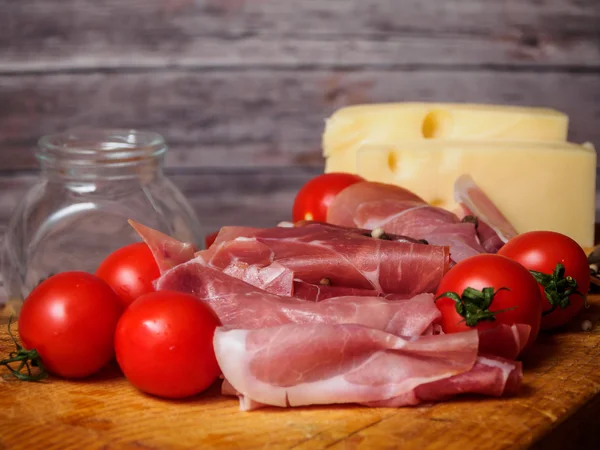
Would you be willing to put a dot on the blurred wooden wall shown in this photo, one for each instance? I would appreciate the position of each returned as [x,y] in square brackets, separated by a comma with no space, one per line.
[240,88]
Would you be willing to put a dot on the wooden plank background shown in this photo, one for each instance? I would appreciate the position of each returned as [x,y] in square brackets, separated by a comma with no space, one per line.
[240,88]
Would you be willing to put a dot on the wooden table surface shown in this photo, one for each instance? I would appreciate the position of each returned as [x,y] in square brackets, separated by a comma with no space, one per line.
[557,407]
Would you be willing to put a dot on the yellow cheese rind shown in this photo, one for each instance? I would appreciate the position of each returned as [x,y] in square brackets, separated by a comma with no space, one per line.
[388,123]
[537,186]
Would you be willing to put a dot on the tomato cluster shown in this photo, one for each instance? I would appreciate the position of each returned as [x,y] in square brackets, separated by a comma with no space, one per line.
[74,323]
[539,278]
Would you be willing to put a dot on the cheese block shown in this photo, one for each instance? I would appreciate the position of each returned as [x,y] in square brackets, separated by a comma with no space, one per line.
[536,185]
[351,127]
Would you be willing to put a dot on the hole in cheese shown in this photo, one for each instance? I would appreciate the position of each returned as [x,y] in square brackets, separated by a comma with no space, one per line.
[436,124]
[392,161]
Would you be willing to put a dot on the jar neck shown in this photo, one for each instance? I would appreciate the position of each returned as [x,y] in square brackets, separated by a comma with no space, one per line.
[142,170]
[96,155]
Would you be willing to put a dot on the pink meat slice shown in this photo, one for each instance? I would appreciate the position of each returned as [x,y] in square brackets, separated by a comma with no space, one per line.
[167,251]
[491,376]
[253,262]
[392,208]
[337,363]
[347,259]
[349,199]
[319,292]
[230,233]
[506,341]
[240,304]
[467,193]
[487,236]
[353,230]
[461,238]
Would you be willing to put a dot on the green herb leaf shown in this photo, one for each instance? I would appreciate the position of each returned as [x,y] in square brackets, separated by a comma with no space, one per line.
[26,360]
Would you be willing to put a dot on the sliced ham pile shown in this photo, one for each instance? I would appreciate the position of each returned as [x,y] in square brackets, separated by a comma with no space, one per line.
[275,258]
[323,313]
[294,365]
[242,305]
[479,228]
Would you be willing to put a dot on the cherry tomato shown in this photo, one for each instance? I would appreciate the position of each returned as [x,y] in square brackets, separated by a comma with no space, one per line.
[70,319]
[164,344]
[542,251]
[316,195]
[130,271]
[516,298]
[209,239]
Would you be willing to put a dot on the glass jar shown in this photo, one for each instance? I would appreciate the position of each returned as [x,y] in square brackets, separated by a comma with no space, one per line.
[91,182]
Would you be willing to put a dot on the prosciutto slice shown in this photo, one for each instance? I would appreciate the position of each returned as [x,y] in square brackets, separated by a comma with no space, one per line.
[272,258]
[319,292]
[476,202]
[394,209]
[355,364]
[488,238]
[343,209]
[506,341]
[242,305]
[167,251]
[230,233]
[491,375]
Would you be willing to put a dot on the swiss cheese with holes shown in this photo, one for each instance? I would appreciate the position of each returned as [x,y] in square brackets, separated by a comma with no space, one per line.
[519,156]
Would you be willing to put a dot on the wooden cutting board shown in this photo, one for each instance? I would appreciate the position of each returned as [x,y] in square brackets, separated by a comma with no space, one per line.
[557,407]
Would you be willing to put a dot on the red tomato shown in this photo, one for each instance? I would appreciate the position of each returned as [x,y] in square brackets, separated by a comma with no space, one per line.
[130,271]
[209,239]
[518,302]
[314,197]
[70,319]
[164,344]
[541,251]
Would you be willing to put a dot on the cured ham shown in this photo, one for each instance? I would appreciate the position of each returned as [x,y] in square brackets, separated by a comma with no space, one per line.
[319,292]
[242,305]
[394,209]
[488,238]
[343,209]
[272,258]
[294,365]
[507,341]
[167,251]
[476,202]
[231,233]
[492,376]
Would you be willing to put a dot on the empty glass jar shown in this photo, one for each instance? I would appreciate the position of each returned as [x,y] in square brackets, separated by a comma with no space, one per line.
[91,182]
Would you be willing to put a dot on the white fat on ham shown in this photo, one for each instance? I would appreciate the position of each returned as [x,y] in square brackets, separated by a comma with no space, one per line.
[295,365]
[246,403]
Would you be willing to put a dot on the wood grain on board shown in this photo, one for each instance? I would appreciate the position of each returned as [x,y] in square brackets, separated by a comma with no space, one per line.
[557,408]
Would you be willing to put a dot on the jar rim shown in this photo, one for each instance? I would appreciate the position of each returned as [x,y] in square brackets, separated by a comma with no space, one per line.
[101,145]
